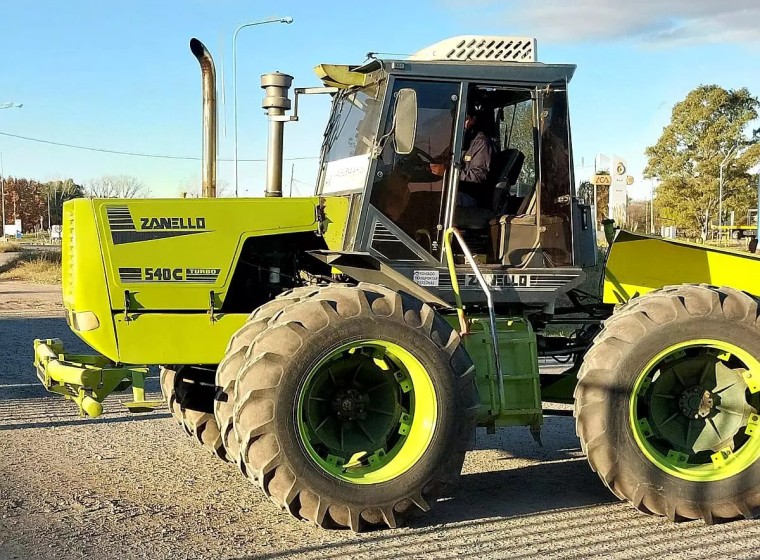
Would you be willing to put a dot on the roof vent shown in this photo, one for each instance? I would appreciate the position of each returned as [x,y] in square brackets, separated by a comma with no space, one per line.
[483,48]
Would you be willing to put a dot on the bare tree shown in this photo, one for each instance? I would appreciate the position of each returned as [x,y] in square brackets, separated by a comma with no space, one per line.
[117,186]
[191,188]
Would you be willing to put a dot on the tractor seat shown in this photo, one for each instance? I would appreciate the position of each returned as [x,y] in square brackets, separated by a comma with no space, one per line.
[505,170]
[506,166]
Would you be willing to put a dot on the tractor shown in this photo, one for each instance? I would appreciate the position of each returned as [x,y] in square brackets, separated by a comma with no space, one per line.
[341,349]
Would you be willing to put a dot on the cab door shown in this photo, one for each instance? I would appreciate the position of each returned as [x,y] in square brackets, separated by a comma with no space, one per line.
[556,189]
[407,211]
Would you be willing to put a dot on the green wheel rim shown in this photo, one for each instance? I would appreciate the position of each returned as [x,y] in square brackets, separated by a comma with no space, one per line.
[367,412]
[694,410]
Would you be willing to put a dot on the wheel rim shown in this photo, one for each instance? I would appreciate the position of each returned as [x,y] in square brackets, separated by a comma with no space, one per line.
[367,412]
[694,410]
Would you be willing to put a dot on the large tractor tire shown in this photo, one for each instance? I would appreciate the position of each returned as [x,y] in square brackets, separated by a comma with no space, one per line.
[234,359]
[190,407]
[667,404]
[355,407]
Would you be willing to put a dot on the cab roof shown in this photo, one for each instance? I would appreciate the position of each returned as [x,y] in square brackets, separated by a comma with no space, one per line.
[467,57]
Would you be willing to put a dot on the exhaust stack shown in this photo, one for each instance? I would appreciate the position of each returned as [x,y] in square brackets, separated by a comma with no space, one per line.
[276,102]
[208,76]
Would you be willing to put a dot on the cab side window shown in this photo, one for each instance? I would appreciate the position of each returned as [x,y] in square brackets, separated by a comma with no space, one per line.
[409,188]
[556,181]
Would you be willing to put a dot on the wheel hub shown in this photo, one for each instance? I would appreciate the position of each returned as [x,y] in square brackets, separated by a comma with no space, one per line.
[354,406]
[366,411]
[694,405]
[348,405]
[696,402]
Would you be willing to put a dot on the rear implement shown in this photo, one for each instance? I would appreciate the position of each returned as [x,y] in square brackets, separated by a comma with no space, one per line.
[638,264]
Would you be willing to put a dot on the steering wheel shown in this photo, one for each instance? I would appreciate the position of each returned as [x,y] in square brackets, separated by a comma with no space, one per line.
[423,155]
[416,165]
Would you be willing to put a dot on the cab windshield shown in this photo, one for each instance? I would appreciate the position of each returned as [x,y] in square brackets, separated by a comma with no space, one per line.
[349,138]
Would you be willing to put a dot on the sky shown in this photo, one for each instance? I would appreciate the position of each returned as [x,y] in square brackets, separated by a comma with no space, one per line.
[120,76]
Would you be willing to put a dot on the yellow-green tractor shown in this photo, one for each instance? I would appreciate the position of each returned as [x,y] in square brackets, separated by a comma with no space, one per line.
[341,349]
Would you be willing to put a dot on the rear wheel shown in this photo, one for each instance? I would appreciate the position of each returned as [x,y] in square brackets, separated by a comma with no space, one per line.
[355,406]
[667,404]
[190,403]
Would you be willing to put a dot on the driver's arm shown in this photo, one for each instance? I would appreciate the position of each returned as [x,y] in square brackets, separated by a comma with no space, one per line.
[441,162]
[478,165]
[438,169]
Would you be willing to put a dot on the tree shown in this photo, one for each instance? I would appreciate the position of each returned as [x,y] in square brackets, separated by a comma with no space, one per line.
[59,192]
[704,128]
[25,199]
[586,192]
[191,188]
[638,216]
[117,186]
[517,129]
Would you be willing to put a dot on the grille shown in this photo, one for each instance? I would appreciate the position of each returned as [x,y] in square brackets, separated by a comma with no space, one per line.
[466,48]
[68,256]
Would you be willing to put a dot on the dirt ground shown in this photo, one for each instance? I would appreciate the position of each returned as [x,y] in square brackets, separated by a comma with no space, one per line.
[133,486]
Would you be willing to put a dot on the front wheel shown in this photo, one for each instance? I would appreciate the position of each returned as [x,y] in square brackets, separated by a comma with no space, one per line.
[355,406]
[234,359]
[667,404]
[190,403]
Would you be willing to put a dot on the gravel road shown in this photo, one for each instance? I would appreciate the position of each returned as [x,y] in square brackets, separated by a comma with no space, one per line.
[133,486]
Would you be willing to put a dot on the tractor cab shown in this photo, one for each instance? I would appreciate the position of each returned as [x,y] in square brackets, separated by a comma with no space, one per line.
[471,133]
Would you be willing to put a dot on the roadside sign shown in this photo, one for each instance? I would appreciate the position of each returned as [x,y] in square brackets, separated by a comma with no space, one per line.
[601,180]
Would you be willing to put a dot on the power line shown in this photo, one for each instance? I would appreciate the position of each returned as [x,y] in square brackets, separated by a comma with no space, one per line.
[134,154]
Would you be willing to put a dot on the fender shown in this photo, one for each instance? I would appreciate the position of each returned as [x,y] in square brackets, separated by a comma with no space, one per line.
[364,267]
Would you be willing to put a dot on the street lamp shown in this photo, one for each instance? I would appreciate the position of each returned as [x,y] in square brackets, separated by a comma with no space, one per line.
[2,193]
[720,186]
[7,105]
[50,218]
[234,80]
[753,243]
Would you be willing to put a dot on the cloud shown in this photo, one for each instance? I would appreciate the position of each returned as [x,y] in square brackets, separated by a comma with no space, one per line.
[656,22]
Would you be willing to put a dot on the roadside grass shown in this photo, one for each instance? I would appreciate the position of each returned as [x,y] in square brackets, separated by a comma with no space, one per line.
[38,268]
[10,247]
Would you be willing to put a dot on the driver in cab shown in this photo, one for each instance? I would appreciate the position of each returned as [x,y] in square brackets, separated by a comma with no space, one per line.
[479,151]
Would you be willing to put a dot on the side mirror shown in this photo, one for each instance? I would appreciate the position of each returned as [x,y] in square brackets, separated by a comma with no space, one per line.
[405,121]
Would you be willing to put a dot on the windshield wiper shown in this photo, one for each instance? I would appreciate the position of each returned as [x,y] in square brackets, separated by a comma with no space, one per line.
[329,136]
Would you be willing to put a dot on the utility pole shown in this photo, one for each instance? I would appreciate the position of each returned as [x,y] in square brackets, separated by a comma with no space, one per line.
[2,192]
[646,215]
[292,171]
[8,105]
[753,243]
[720,187]
[651,204]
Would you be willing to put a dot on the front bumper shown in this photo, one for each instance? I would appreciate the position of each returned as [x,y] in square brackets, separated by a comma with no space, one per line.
[88,380]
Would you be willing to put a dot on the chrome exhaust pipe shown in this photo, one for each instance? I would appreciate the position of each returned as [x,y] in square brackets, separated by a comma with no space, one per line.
[276,102]
[208,76]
